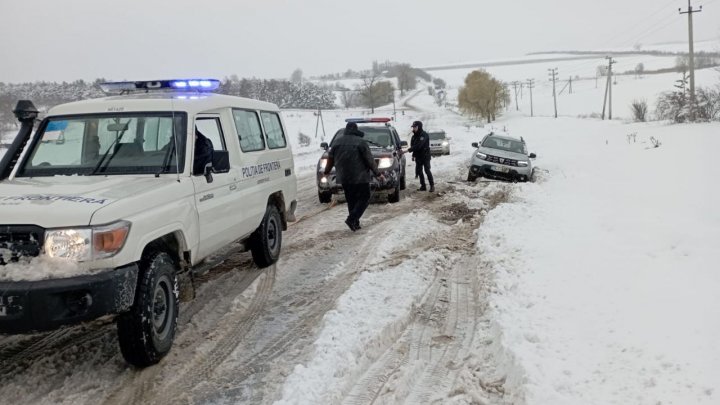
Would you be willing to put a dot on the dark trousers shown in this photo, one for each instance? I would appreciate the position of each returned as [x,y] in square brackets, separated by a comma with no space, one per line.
[421,164]
[358,199]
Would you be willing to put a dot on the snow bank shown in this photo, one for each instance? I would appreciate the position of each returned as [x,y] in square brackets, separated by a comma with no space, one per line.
[606,282]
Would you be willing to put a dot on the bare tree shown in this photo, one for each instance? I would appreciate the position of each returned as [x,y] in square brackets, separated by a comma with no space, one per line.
[639,69]
[297,76]
[407,80]
[369,89]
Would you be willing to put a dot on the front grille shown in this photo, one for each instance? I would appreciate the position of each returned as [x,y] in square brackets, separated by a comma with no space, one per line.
[502,161]
[18,241]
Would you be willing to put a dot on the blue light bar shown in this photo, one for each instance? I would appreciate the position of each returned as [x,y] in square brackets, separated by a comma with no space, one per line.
[368,120]
[179,84]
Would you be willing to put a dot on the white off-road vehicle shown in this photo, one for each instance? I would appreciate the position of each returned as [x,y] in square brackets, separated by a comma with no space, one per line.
[101,212]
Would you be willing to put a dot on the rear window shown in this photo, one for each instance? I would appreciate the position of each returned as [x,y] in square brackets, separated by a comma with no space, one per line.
[436,135]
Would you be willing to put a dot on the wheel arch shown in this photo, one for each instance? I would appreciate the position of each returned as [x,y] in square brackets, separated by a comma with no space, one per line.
[277,199]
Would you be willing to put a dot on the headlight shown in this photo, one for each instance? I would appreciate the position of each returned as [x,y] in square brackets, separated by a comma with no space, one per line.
[323,179]
[385,163]
[445,143]
[481,155]
[522,163]
[83,244]
[323,163]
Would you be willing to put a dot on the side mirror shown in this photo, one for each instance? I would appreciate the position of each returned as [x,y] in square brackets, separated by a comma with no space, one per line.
[208,173]
[324,145]
[475,145]
[532,156]
[221,161]
[403,144]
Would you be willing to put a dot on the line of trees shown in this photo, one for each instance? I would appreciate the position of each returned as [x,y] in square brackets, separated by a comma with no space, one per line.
[284,93]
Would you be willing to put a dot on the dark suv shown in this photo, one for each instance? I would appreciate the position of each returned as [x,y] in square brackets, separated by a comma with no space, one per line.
[386,147]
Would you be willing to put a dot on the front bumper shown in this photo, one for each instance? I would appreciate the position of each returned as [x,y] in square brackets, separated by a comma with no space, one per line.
[392,181]
[501,172]
[28,306]
[439,150]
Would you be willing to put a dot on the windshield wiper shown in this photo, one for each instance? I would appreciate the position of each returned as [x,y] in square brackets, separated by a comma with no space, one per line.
[102,159]
[376,144]
[166,160]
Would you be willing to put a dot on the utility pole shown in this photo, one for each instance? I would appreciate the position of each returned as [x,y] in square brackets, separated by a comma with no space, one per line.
[319,121]
[554,74]
[608,88]
[691,57]
[530,85]
[515,86]
[570,84]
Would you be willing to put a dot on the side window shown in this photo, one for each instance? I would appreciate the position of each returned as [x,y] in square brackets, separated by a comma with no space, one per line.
[396,139]
[210,127]
[249,130]
[273,130]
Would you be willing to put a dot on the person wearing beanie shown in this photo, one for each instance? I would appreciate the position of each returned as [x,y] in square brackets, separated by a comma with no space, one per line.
[353,162]
[420,148]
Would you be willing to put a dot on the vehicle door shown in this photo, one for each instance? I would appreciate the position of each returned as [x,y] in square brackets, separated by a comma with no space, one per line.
[266,164]
[399,149]
[215,199]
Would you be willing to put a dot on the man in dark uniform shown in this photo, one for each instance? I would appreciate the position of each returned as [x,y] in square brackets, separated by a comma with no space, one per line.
[420,148]
[353,161]
[203,153]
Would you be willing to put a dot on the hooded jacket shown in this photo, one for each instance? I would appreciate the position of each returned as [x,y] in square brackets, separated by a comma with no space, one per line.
[351,156]
[420,145]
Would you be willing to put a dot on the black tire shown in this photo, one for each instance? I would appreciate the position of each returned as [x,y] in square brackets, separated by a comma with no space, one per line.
[471,177]
[402,182]
[266,241]
[147,331]
[395,195]
[324,197]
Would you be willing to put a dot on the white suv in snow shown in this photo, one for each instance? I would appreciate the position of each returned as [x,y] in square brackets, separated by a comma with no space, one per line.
[101,214]
[501,156]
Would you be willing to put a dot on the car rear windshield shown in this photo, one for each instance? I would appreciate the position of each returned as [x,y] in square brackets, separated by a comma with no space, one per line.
[376,137]
[436,135]
[138,143]
[508,145]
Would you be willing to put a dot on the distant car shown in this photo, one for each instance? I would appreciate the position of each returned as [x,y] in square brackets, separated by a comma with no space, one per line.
[439,143]
[386,148]
[501,156]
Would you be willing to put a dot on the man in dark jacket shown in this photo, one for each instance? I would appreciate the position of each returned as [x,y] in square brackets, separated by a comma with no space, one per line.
[420,148]
[203,153]
[353,162]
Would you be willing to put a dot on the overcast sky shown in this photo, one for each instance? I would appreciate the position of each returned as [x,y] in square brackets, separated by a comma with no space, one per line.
[150,39]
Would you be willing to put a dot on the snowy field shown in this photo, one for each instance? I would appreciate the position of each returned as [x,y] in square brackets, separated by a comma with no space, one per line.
[593,285]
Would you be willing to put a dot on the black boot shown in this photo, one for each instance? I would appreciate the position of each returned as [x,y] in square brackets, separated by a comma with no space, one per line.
[422,188]
[351,225]
[432,188]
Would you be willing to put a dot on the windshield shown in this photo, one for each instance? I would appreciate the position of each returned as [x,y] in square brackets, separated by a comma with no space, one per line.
[436,135]
[508,145]
[376,137]
[106,144]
